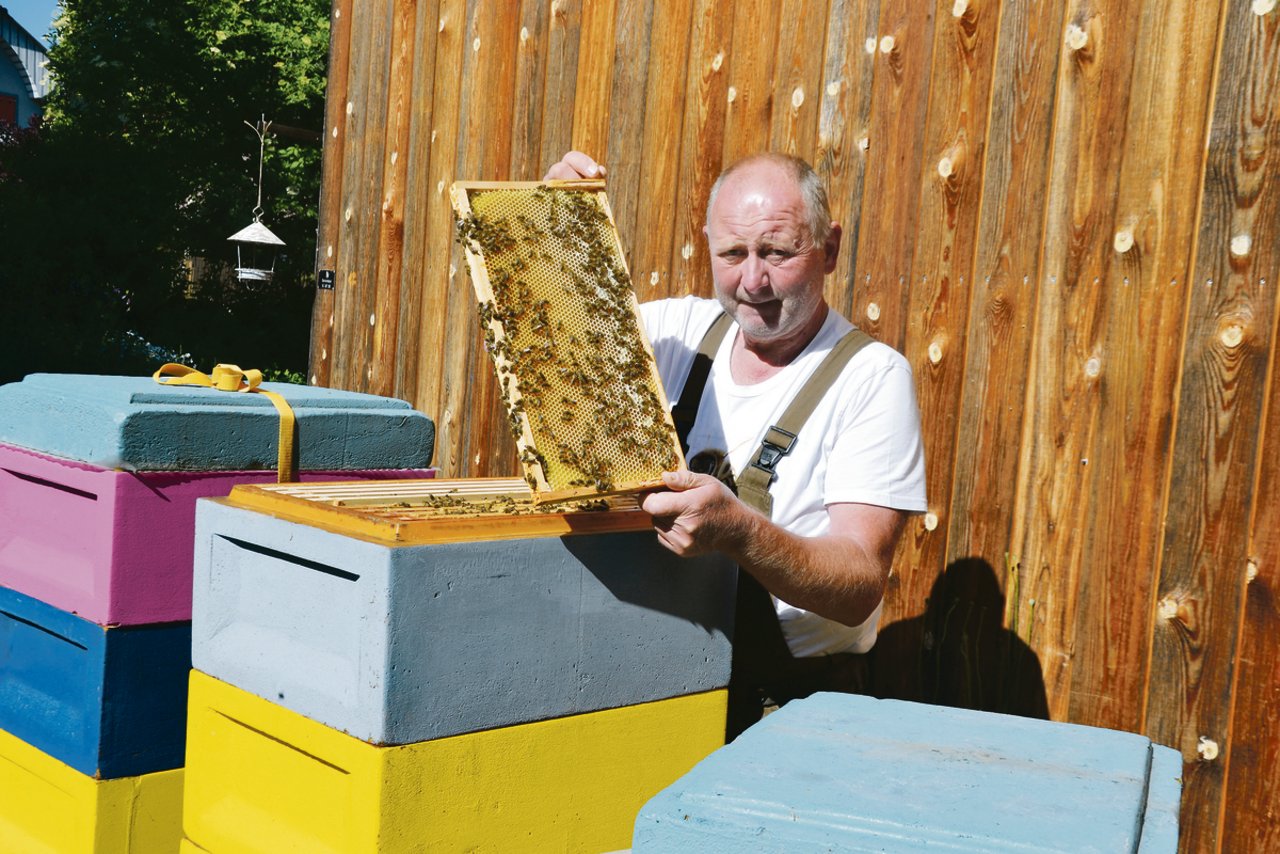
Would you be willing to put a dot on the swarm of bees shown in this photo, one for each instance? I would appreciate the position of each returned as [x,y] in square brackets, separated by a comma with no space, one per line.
[558,315]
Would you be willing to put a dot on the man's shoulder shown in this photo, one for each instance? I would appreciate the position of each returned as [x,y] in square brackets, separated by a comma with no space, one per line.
[686,305]
[875,355]
[679,317]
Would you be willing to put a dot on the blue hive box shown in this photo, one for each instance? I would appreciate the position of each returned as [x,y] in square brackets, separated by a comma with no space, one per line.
[109,702]
[136,424]
[838,772]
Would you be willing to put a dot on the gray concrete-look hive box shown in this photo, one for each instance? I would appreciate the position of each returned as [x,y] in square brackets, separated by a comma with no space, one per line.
[396,644]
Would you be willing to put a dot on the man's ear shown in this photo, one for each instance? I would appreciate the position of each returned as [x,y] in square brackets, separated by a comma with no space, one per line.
[831,247]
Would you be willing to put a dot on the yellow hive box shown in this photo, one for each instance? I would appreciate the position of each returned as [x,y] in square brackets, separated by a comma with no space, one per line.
[261,778]
[46,806]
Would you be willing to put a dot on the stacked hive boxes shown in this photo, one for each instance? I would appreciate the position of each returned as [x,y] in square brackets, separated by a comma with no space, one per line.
[98,482]
[496,684]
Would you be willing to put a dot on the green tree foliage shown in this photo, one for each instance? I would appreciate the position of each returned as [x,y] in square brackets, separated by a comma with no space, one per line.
[143,160]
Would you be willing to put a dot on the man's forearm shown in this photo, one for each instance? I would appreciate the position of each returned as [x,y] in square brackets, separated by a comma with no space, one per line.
[833,576]
[840,575]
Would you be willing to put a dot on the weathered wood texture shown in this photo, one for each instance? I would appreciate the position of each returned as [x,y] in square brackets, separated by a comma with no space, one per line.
[1064,212]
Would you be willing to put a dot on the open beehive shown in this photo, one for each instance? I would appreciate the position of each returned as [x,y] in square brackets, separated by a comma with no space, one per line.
[411,512]
[560,321]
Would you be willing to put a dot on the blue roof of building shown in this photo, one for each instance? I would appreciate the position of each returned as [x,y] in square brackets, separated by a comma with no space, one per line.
[26,53]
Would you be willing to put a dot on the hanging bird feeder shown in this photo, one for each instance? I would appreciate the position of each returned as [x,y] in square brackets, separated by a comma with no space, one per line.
[256,246]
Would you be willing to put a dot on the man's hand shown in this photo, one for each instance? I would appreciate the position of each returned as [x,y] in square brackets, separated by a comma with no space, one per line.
[574,166]
[698,514]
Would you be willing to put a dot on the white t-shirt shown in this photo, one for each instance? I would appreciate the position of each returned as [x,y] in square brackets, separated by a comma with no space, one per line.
[861,444]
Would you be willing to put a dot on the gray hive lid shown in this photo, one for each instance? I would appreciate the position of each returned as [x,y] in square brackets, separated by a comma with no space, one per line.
[134,423]
[839,772]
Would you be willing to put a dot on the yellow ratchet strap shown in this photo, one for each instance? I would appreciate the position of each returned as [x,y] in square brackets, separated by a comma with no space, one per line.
[232,378]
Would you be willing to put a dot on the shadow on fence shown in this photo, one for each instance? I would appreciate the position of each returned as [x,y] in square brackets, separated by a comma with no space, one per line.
[958,652]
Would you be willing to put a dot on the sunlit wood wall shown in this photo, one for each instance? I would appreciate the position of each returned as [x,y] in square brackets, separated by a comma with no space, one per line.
[1063,211]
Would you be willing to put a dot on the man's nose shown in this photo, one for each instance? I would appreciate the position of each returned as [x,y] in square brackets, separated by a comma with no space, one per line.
[755,274]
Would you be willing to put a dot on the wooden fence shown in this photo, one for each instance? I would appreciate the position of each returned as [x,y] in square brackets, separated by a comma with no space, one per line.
[1064,212]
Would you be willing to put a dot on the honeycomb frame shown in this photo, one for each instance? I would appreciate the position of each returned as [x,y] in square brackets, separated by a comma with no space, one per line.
[435,510]
[562,327]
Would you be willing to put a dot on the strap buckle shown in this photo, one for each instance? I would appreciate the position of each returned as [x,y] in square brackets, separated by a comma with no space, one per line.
[775,445]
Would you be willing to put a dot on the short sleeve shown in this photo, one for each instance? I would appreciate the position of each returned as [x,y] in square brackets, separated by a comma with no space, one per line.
[877,452]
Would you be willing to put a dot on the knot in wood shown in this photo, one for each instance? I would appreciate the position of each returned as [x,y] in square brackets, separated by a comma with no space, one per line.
[1076,37]
[1231,335]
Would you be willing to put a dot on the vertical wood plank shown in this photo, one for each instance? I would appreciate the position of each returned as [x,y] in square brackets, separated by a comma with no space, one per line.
[530,90]
[964,53]
[560,94]
[705,108]
[1252,787]
[840,158]
[595,79]
[385,318]
[1002,307]
[797,79]
[661,149]
[1137,369]
[899,104]
[627,118]
[420,242]
[440,263]
[1230,322]
[330,206]
[752,57]
[1059,469]
[484,153]
[361,188]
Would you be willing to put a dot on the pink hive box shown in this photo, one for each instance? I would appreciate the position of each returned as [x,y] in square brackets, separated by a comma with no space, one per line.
[114,547]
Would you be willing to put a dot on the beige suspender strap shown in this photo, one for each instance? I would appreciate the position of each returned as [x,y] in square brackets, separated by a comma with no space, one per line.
[756,478]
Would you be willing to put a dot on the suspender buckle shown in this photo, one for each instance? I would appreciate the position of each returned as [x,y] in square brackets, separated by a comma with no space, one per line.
[776,445]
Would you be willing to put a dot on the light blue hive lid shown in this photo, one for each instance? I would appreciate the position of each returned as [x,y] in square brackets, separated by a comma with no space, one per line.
[838,772]
[136,424]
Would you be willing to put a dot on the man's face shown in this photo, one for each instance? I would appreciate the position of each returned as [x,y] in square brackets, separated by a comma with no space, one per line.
[767,269]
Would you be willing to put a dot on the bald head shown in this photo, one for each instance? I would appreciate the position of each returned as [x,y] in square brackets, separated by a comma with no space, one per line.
[807,183]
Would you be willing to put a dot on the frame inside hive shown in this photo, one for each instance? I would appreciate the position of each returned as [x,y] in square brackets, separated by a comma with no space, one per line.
[562,327]
[438,511]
